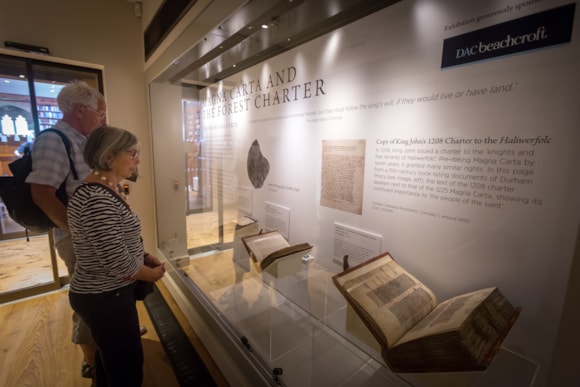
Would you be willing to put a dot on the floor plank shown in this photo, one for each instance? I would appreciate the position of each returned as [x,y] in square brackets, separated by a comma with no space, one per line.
[25,264]
[36,350]
[35,347]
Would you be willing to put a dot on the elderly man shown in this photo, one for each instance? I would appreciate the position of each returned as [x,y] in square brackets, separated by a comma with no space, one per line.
[84,110]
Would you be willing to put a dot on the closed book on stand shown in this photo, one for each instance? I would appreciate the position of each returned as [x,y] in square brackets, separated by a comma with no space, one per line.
[269,247]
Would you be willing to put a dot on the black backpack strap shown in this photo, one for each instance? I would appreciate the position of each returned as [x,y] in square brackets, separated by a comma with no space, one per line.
[67,147]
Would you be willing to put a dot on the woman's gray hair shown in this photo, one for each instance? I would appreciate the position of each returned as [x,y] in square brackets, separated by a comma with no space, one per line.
[78,92]
[106,143]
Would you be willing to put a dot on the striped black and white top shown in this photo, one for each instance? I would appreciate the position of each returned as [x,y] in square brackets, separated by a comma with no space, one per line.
[106,236]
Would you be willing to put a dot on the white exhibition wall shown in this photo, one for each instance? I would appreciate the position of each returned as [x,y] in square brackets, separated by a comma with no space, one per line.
[468,174]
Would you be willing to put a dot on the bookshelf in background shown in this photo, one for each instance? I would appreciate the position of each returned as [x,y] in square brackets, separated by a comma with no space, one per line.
[48,113]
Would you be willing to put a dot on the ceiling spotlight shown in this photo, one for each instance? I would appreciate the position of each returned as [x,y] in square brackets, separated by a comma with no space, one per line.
[265,26]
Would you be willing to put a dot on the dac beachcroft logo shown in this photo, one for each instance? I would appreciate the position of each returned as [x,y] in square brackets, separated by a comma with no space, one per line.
[509,41]
[540,30]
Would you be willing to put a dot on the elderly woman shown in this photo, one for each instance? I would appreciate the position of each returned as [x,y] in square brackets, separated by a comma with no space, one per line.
[106,236]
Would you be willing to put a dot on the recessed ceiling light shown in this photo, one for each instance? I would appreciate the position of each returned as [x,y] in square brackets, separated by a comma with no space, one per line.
[265,26]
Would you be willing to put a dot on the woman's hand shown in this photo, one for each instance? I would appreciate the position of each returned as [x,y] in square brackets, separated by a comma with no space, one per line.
[158,268]
[157,272]
[151,271]
[151,260]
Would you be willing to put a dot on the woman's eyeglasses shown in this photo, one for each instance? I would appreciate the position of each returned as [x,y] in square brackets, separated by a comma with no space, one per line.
[134,153]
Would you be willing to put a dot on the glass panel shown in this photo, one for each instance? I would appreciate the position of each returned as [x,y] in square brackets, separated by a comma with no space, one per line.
[48,112]
[288,319]
[194,161]
[186,186]
[15,113]
[23,264]
[28,263]
[48,81]
[290,315]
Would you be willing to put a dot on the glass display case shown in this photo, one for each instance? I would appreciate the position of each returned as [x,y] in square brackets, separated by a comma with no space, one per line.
[361,141]
[298,329]
[284,325]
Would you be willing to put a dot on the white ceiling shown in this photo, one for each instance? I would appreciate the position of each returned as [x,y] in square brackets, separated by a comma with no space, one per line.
[20,87]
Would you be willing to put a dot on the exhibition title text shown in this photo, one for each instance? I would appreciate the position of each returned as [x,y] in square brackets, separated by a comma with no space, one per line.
[275,89]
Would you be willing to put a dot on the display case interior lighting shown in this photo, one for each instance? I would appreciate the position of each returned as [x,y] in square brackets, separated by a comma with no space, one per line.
[424,15]
[331,48]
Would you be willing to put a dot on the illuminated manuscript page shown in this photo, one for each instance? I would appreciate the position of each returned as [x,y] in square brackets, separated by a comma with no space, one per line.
[448,315]
[393,299]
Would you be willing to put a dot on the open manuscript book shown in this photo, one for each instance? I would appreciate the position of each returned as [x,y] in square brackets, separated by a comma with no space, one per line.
[267,247]
[416,334]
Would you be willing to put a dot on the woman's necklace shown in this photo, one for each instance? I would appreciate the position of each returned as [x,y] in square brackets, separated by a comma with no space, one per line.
[107,182]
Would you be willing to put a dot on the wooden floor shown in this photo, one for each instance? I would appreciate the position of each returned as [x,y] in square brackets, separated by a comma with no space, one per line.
[25,264]
[36,351]
[35,346]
